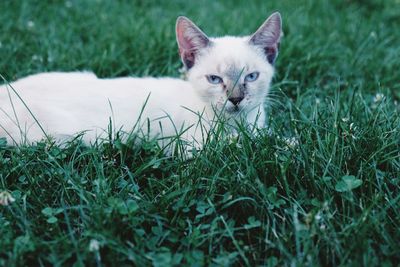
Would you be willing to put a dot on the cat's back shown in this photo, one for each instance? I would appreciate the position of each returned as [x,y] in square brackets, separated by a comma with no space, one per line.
[53,78]
[48,82]
[70,85]
[67,103]
[60,80]
[146,83]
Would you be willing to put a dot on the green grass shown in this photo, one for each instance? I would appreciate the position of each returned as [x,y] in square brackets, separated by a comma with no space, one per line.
[332,199]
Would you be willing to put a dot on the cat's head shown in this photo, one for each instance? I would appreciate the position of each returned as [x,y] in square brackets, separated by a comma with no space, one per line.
[230,72]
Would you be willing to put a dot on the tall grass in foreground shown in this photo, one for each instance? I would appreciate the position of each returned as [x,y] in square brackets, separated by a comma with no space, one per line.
[320,188]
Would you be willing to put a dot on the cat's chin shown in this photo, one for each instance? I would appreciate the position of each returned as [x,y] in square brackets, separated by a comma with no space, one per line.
[233,109]
[227,109]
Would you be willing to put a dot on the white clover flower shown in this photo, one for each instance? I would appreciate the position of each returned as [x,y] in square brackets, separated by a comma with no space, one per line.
[94,245]
[345,119]
[30,24]
[233,138]
[292,142]
[378,97]
[37,58]
[6,198]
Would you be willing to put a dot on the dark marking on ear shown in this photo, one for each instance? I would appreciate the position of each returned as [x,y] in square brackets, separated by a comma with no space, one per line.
[271,54]
[188,59]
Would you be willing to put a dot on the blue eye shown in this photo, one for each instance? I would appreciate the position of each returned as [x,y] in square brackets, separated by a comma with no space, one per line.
[251,77]
[214,79]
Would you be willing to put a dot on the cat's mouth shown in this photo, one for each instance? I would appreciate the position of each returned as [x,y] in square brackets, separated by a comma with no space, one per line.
[233,109]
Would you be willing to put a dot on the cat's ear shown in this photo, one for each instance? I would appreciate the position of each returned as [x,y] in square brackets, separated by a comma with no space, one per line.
[190,40]
[268,36]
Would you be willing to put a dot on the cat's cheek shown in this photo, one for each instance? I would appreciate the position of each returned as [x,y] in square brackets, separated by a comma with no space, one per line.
[260,88]
[219,102]
[265,81]
[215,91]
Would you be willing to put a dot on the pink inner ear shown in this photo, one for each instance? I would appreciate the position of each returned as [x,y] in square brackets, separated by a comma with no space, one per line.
[190,40]
[183,41]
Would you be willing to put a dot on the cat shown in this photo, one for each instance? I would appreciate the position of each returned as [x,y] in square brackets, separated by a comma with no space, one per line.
[227,76]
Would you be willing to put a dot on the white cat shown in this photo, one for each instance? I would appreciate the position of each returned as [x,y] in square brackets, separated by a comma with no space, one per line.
[229,76]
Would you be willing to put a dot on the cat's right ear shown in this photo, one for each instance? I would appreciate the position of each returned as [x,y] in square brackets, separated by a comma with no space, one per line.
[190,40]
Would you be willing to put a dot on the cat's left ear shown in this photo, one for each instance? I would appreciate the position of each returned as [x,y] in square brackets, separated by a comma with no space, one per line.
[190,40]
[268,36]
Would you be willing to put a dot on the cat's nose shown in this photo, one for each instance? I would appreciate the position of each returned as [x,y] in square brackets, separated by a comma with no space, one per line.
[235,100]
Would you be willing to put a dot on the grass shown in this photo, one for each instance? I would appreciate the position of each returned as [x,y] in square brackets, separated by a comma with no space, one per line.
[321,190]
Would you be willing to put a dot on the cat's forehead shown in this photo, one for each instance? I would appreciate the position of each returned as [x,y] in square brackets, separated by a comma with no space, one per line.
[233,55]
[229,46]
[233,70]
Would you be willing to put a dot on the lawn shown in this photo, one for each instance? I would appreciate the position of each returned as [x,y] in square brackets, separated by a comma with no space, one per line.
[321,188]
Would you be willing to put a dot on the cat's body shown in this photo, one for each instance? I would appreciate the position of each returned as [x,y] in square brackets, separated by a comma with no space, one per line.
[87,103]
[229,76]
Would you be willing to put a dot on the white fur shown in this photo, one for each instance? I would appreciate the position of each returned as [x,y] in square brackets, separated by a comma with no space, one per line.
[66,104]
[69,103]
[227,53]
